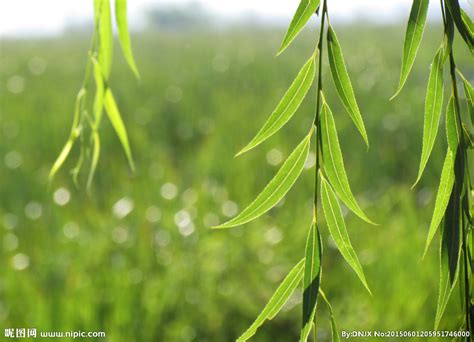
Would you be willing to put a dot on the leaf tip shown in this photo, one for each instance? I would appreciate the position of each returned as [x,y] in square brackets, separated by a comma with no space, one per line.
[283,46]
[394,95]
[424,253]
[280,51]
[420,173]
[242,151]
[416,182]
[427,246]
[50,183]
[137,74]
[222,226]
[132,166]
[399,89]
[51,176]
[366,219]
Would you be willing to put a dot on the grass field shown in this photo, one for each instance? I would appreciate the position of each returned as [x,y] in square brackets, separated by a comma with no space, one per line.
[136,257]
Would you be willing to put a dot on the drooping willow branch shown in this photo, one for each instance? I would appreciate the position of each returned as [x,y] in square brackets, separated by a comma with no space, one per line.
[453,204]
[86,121]
[329,173]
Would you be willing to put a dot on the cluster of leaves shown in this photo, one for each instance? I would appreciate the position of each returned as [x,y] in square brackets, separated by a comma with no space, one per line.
[330,172]
[453,205]
[88,114]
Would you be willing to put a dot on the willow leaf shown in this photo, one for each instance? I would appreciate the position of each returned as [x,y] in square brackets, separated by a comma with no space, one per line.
[287,106]
[466,204]
[80,161]
[276,302]
[99,94]
[276,189]
[442,197]
[124,35]
[116,120]
[448,38]
[452,125]
[468,24]
[105,37]
[72,136]
[433,104]
[413,35]
[311,279]
[305,10]
[337,229]
[98,110]
[469,92]
[95,157]
[334,330]
[334,163]
[343,82]
[463,29]
[449,255]
[97,7]
[61,158]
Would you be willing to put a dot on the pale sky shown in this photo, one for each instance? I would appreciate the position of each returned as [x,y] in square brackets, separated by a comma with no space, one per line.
[50,16]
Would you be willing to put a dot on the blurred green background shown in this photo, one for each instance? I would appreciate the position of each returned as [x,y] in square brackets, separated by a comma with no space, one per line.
[136,257]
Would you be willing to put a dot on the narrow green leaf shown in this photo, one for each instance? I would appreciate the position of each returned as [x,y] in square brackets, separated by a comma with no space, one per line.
[413,35]
[450,252]
[77,168]
[99,94]
[277,188]
[468,137]
[98,110]
[466,204]
[97,7]
[311,279]
[442,197]
[337,229]
[334,330]
[61,158]
[72,136]
[116,120]
[463,29]
[333,162]
[468,24]
[124,36]
[276,302]
[304,11]
[469,93]
[452,125]
[288,105]
[105,37]
[95,158]
[448,38]
[343,82]
[433,104]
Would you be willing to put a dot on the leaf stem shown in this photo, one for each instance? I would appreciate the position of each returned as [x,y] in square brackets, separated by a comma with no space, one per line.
[460,182]
[317,121]
[317,124]
[90,53]
[462,151]
[464,164]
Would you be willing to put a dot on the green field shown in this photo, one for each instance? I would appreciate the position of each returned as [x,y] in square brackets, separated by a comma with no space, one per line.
[136,258]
